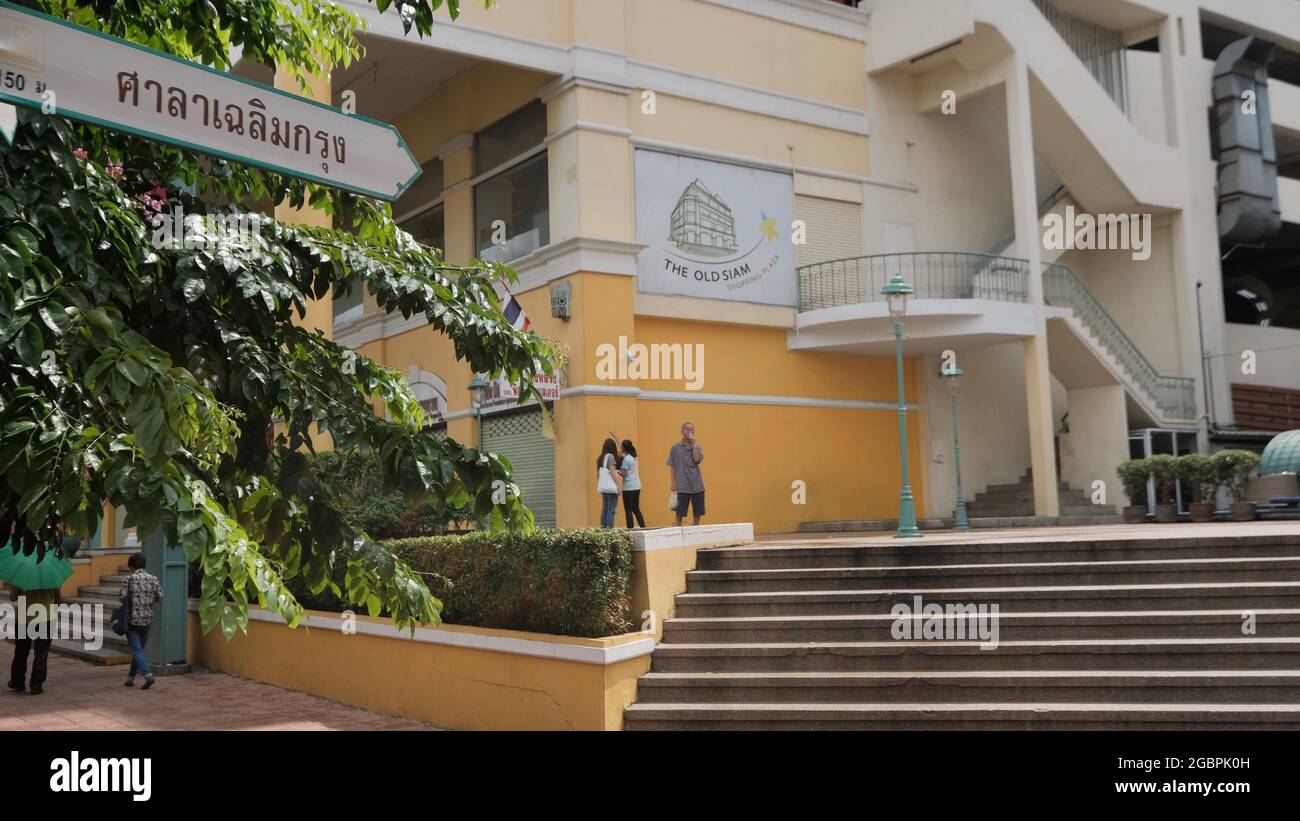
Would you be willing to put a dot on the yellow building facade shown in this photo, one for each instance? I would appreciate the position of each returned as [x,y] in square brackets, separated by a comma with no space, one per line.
[789,436]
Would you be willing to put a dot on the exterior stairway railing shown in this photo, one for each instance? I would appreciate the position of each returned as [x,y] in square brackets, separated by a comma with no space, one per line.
[1101,50]
[1174,396]
[934,275]
[959,275]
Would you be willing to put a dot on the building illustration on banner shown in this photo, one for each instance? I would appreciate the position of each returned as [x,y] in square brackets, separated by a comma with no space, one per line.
[713,229]
[702,223]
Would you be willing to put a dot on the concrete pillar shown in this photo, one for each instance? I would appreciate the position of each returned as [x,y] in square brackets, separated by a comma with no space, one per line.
[457,155]
[320,312]
[1097,441]
[1194,230]
[1038,378]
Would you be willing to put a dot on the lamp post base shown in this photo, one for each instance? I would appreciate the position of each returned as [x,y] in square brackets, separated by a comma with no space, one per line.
[960,524]
[907,528]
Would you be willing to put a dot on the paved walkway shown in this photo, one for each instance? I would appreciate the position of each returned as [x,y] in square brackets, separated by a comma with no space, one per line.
[83,696]
[1089,533]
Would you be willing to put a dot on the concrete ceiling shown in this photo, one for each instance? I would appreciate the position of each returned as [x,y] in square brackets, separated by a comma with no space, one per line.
[389,79]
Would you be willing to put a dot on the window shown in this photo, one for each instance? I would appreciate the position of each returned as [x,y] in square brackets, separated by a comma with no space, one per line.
[519,196]
[834,229]
[349,307]
[509,137]
[427,189]
[424,201]
[428,227]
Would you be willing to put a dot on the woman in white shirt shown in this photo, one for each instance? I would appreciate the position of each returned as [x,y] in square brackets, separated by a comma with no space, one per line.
[631,485]
[606,485]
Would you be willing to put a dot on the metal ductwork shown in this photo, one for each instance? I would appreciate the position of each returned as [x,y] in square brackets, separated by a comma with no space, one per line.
[1249,211]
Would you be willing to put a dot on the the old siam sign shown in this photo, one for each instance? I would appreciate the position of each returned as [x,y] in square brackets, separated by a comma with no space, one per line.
[90,76]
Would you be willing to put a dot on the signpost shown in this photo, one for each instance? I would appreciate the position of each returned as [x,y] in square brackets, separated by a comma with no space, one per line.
[82,74]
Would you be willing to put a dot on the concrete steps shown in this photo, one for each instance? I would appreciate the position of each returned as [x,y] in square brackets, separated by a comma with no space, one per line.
[1249,595]
[1049,716]
[1168,632]
[1011,626]
[966,687]
[1153,571]
[106,593]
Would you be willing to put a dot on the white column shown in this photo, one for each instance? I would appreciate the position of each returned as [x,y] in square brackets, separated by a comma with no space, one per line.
[1195,234]
[1038,377]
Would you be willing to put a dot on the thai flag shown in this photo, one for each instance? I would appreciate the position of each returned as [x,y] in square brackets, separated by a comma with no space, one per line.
[515,314]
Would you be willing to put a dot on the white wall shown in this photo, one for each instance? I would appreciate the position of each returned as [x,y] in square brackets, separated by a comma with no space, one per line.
[1277,355]
[1097,441]
[1146,95]
[1141,297]
[994,424]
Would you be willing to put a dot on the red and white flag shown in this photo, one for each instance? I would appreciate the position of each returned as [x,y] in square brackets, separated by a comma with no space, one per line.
[515,313]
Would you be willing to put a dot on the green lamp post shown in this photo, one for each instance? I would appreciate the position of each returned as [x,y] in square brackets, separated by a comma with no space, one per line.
[896,293]
[959,524]
[478,387]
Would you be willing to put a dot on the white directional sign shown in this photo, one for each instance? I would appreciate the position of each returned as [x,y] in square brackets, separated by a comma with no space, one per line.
[75,72]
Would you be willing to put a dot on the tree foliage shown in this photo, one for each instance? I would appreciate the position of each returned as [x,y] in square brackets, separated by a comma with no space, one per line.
[178,383]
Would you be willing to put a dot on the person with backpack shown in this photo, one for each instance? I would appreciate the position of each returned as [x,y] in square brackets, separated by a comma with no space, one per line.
[631,485]
[139,594]
[606,484]
[39,606]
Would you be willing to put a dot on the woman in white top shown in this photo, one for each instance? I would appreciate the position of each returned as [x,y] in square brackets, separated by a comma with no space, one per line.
[631,485]
[606,484]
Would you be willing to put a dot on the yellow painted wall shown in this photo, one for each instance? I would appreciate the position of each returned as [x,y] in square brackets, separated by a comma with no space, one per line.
[451,687]
[749,49]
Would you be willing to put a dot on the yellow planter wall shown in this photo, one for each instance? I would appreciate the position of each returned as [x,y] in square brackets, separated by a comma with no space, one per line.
[450,687]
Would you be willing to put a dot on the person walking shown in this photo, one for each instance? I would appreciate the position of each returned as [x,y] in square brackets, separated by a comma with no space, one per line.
[606,484]
[631,485]
[39,605]
[139,593]
[684,470]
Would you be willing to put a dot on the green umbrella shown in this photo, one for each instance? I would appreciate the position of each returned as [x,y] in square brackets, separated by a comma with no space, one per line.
[26,572]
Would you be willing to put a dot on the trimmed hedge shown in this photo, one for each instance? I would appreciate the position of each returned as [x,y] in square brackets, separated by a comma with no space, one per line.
[568,582]
[565,582]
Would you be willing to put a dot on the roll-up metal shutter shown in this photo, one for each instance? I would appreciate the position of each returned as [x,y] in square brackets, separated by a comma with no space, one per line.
[518,437]
[834,229]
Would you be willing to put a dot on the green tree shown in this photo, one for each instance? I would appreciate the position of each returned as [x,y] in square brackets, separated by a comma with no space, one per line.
[152,378]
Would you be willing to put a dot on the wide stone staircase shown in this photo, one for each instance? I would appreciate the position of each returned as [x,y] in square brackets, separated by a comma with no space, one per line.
[106,593]
[998,504]
[1168,633]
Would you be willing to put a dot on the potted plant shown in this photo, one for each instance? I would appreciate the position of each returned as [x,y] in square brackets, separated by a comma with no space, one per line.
[1133,474]
[1199,475]
[1164,469]
[1234,469]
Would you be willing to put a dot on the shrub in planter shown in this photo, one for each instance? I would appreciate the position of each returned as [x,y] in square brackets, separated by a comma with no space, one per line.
[1197,472]
[382,512]
[565,582]
[570,582]
[1164,469]
[1234,469]
[1133,474]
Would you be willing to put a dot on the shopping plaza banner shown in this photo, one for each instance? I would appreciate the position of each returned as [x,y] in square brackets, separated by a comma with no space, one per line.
[714,229]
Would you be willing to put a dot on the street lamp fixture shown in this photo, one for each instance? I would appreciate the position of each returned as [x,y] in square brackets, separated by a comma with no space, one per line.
[478,388]
[896,294]
[953,377]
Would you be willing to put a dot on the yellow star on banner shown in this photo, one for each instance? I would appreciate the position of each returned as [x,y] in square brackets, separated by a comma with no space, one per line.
[768,228]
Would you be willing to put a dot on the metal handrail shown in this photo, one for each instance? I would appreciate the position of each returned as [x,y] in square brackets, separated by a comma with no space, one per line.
[934,275]
[1009,237]
[1174,396]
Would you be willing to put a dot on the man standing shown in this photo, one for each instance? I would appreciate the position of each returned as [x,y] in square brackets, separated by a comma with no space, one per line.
[684,467]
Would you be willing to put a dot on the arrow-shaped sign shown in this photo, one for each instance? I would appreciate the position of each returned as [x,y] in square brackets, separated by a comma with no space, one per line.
[76,72]
[8,121]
